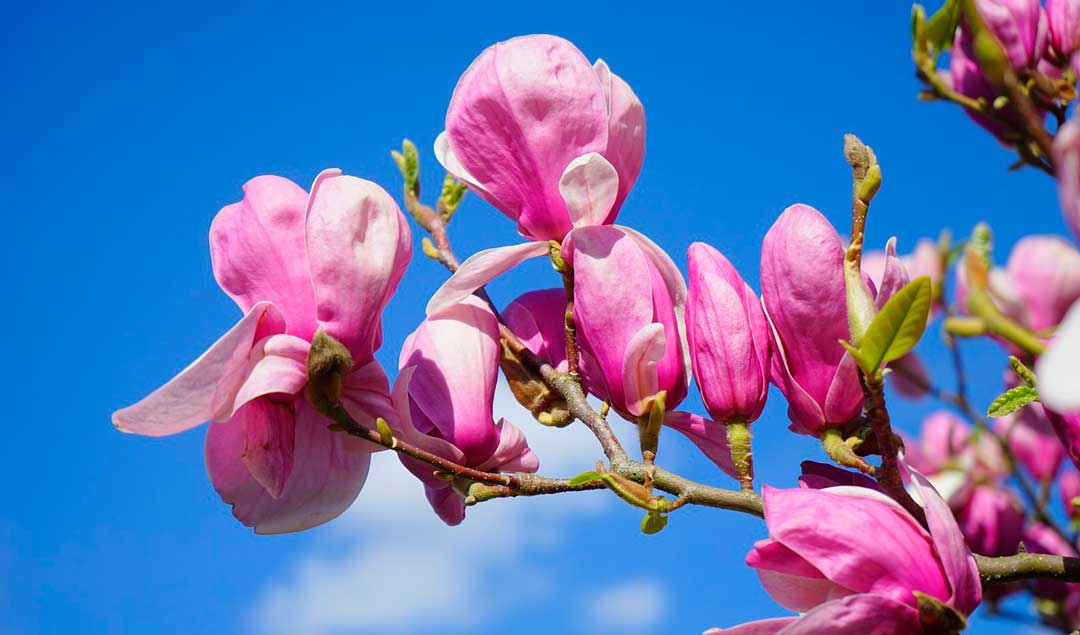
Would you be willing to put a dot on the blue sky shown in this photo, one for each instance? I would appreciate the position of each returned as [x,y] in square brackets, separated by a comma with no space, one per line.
[128,126]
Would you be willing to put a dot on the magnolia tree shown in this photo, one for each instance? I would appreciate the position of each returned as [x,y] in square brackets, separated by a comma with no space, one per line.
[899,535]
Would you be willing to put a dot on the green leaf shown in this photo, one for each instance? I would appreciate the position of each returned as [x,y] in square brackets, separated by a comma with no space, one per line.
[585,477]
[897,327]
[1025,374]
[653,523]
[941,27]
[1012,400]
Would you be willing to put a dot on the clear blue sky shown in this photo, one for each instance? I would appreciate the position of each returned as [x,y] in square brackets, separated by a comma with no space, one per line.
[127,127]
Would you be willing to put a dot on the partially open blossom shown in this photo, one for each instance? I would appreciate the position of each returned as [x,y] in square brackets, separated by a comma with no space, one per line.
[444,395]
[295,264]
[802,288]
[1045,272]
[1067,159]
[850,560]
[530,116]
[728,336]
[1063,23]
[1032,440]
[538,318]
[1020,26]
[992,520]
[626,314]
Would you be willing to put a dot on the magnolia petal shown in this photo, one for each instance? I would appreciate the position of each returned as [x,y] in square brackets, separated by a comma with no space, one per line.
[329,469]
[893,277]
[258,251]
[760,627]
[1058,368]
[862,614]
[952,550]
[640,381]
[589,186]
[513,453]
[479,269]
[188,399]
[359,245]
[268,444]
[626,131]
[709,436]
[278,366]
[446,158]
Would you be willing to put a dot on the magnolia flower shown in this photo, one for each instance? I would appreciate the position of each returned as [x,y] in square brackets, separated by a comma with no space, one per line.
[853,562]
[1063,22]
[1058,380]
[1045,274]
[530,119]
[444,395]
[295,264]
[1067,158]
[992,521]
[538,318]
[1020,27]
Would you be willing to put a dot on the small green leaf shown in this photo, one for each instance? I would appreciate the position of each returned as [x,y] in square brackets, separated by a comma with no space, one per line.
[941,27]
[653,523]
[452,193]
[585,477]
[1012,400]
[897,327]
[1025,374]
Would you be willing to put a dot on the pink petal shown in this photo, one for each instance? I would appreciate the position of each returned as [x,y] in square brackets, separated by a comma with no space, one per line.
[869,546]
[520,113]
[268,444]
[455,356]
[626,132]
[277,366]
[359,245]
[538,318]
[479,269]
[258,251]
[644,350]
[329,469]
[952,550]
[709,436]
[447,503]
[1067,157]
[589,186]
[865,614]
[190,398]
[789,579]
[893,277]
[513,453]
[822,475]
[760,627]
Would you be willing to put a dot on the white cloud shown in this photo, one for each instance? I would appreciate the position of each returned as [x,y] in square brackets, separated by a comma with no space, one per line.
[389,564]
[634,605]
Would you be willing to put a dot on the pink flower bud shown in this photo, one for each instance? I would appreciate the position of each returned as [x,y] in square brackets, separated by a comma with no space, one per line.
[1067,158]
[872,587]
[1045,272]
[802,287]
[444,395]
[530,120]
[728,336]
[1020,26]
[1032,440]
[1063,22]
[627,295]
[992,521]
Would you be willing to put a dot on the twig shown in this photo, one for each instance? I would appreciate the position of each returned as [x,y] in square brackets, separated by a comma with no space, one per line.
[1027,566]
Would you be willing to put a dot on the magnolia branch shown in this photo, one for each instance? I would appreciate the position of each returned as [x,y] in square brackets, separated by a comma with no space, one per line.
[1027,566]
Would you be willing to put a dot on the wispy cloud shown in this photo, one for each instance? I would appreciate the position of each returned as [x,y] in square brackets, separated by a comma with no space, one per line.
[391,565]
[634,605]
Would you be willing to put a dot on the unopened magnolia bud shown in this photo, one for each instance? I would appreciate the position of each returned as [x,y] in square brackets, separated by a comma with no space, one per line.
[530,390]
[327,362]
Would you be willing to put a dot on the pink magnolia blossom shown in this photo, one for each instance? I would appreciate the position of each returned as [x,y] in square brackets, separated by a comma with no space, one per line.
[444,395]
[802,288]
[729,338]
[294,263]
[1020,26]
[992,521]
[1067,158]
[1032,439]
[1063,22]
[531,119]
[1045,273]
[1058,375]
[850,559]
